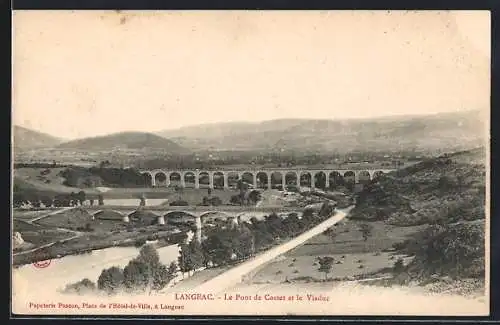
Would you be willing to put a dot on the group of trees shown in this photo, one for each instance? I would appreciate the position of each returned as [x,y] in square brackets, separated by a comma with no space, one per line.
[455,250]
[227,243]
[59,200]
[245,195]
[145,273]
[77,176]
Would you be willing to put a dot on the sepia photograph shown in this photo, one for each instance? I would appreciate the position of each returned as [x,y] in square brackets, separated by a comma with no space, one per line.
[250,163]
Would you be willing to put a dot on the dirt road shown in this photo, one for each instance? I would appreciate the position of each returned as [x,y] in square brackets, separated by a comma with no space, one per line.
[236,275]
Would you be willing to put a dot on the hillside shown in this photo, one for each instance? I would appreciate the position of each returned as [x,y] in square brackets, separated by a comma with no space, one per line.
[25,138]
[446,196]
[124,140]
[445,131]
[447,189]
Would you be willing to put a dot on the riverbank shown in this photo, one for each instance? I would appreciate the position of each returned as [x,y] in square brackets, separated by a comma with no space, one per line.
[88,242]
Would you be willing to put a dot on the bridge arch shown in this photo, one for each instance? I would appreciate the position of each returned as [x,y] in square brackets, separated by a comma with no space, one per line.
[182,213]
[364,177]
[335,179]
[305,179]
[232,179]
[262,180]
[161,179]
[206,215]
[147,179]
[249,178]
[219,180]
[175,179]
[204,179]
[320,180]
[277,180]
[292,178]
[99,213]
[189,179]
[377,174]
[349,177]
[109,214]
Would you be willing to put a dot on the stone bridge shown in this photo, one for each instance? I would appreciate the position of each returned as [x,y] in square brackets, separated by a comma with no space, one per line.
[261,178]
[200,215]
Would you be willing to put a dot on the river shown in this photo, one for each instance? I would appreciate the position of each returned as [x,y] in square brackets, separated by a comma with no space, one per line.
[72,268]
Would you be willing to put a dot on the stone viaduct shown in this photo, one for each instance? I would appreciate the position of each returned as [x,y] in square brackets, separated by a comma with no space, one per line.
[261,178]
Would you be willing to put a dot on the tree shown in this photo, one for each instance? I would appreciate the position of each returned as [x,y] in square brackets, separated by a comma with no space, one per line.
[254,196]
[147,272]
[218,247]
[197,258]
[81,197]
[245,245]
[47,201]
[73,197]
[325,265]
[137,275]
[209,191]
[326,210]
[111,280]
[399,266]
[149,255]
[366,230]
[18,199]
[185,262]
[242,188]
[236,199]
[34,200]
[162,275]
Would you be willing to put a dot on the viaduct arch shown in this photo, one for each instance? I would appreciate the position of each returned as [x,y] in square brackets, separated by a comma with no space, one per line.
[199,217]
[268,179]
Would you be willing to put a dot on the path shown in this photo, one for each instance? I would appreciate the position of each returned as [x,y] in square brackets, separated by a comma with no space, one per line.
[236,274]
[76,235]
[49,214]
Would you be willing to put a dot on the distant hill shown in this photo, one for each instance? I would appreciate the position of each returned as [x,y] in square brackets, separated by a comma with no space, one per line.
[25,138]
[124,140]
[449,131]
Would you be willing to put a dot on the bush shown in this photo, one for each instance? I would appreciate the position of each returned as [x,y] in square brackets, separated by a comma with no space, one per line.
[81,287]
[140,242]
[179,203]
[111,280]
[454,250]
[399,266]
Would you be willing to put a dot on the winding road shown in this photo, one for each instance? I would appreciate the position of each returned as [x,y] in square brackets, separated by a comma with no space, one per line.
[236,275]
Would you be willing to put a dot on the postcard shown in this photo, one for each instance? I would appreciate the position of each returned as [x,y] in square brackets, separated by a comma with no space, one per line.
[250,163]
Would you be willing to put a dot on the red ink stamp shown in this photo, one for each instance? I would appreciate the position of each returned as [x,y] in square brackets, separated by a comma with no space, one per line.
[42,264]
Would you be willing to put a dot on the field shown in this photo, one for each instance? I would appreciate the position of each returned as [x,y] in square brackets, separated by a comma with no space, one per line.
[353,256]
[46,236]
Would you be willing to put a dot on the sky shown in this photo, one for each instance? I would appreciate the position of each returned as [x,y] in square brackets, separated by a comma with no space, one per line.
[89,73]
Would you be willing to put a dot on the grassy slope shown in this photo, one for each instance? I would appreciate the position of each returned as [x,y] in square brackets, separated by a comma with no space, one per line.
[405,203]
[448,188]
